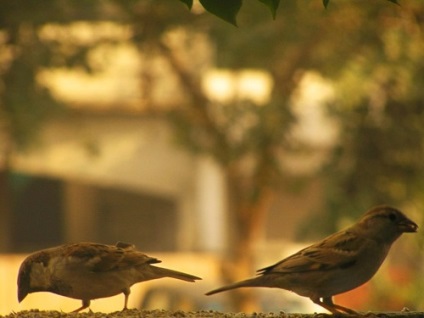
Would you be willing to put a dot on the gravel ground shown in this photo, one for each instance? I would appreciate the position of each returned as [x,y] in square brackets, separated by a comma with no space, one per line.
[134,313]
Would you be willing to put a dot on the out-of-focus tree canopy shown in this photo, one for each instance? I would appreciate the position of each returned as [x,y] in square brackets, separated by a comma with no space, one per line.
[380,109]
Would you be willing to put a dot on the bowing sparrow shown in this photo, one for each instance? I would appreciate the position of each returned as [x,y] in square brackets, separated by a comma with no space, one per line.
[89,271]
[338,263]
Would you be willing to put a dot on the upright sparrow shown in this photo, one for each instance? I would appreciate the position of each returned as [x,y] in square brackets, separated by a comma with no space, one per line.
[338,263]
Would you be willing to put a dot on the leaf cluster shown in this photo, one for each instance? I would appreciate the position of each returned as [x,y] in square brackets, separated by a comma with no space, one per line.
[381,116]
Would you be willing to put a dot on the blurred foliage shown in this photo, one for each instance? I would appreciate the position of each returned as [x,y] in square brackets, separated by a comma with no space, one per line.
[25,104]
[380,110]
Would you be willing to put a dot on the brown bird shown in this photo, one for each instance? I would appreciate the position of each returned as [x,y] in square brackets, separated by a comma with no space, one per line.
[89,271]
[338,263]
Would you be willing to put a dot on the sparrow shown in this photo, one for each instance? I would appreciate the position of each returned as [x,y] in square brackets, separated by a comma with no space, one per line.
[338,263]
[89,271]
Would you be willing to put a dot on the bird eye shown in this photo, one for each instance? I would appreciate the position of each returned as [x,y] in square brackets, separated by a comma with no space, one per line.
[392,216]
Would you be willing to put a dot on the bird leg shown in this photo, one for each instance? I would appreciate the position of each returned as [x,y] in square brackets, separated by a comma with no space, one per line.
[327,303]
[126,293]
[85,304]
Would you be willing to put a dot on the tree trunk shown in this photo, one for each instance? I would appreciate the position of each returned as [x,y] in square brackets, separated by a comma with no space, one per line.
[5,188]
[5,212]
[248,214]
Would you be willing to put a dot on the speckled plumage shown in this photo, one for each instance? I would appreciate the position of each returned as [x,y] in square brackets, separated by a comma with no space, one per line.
[89,271]
[338,263]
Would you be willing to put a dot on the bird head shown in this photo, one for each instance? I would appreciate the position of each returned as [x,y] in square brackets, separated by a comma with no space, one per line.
[34,275]
[386,223]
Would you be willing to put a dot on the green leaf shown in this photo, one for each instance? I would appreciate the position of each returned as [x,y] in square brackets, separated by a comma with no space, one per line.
[188,3]
[326,2]
[272,5]
[224,9]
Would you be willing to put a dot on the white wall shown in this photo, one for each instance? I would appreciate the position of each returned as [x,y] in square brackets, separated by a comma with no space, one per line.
[132,153]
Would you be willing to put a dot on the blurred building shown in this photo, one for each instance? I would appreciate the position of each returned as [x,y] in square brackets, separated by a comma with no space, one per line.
[112,178]
[107,177]
[112,170]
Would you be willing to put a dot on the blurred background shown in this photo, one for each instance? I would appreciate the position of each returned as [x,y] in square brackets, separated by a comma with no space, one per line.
[218,149]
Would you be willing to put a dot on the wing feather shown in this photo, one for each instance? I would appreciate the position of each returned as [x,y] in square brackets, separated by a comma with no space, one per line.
[339,250]
[102,258]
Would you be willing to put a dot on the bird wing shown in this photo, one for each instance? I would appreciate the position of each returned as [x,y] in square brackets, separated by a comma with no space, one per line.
[100,257]
[339,250]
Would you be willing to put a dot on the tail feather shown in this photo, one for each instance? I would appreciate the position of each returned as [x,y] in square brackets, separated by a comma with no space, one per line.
[253,282]
[164,272]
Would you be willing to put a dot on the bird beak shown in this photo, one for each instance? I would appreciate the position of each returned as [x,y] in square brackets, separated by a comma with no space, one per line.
[408,226]
[22,294]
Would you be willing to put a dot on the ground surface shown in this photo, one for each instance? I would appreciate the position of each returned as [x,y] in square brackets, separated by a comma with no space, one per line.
[196,314]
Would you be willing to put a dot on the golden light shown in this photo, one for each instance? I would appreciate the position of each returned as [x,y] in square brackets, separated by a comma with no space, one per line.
[227,86]
[255,85]
[219,85]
